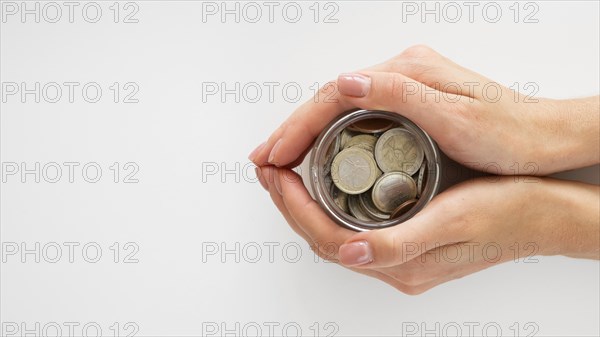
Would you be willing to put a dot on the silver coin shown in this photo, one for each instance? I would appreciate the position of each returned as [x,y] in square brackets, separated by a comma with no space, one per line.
[345,136]
[366,142]
[421,178]
[392,189]
[334,148]
[398,150]
[366,202]
[356,209]
[339,198]
[354,170]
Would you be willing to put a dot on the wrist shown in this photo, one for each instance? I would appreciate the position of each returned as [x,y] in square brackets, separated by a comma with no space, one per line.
[569,133]
[569,223]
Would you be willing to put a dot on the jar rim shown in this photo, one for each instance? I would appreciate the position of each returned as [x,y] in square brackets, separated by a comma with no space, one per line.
[317,170]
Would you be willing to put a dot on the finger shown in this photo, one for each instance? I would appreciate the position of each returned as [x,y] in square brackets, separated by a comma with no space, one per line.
[399,244]
[420,63]
[267,175]
[295,135]
[326,234]
[399,93]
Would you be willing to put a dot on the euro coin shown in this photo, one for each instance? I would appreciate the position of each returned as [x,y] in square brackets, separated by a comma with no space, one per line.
[354,170]
[398,150]
[392,189]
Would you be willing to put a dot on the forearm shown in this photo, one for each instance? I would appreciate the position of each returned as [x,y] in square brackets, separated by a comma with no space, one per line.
[571,218]
[574,127]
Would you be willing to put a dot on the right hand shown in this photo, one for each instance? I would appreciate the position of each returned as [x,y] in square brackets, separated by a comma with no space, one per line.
[452,236]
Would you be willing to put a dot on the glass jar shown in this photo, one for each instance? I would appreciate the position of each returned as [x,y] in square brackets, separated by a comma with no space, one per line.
[321,160]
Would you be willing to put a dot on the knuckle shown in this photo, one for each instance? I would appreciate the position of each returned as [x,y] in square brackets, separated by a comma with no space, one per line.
[325,250]
[461,121]
[387,247]
[289,176]
[413,291]
[395,87]
[410,279]
[419,51]
[328,88]
[396,248]
[463,110]
[296,125]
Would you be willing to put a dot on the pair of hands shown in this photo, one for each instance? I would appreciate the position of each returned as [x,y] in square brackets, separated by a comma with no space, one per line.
[473,225]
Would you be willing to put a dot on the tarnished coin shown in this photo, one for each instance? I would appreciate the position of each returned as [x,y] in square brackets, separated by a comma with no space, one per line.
[392,189]
[334,148]
[398,150]
[366,142]
[356,209]
[366,202]
[403,208]
[354,170]
[345,136]
[421,178]
[340,198]
[372,125]
[328,182]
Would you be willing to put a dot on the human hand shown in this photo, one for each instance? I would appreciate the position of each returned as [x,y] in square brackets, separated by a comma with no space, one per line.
[470,227]
[474,120]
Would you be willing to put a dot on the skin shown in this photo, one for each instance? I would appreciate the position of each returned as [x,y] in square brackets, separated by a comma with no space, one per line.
[488,220]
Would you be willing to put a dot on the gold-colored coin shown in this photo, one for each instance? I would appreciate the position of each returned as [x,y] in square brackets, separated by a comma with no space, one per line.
[339,198]
[392,189]
[372,125]
[345,136]
[366,142]
[397,150]
[366,202]
[356,209]
[354,170]
[403,208]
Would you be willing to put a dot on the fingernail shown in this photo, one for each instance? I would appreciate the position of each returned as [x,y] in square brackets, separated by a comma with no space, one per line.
[254,152]
[277,181]
[355,253]
[273,152]
[356,85]
[261,178]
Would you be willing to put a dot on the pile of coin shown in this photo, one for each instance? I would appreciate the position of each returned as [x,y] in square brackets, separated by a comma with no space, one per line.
[375,170]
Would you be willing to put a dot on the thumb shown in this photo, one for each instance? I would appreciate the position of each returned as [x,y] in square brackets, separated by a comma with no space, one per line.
[425,106]
[396,245]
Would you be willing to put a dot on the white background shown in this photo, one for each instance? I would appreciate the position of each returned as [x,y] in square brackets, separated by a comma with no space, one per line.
[180,205]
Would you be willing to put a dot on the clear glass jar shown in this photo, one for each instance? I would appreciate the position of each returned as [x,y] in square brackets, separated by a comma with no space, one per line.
[320,162]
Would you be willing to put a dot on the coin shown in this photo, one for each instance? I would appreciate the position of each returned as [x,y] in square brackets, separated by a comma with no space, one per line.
[392,189]
[328,182]
[340,198]
[363,141]
[332,150]
[398,150]
[345,136]
[403,208]
[421,178]
[356,209]
[373,212]
[354,170]
[372,125]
